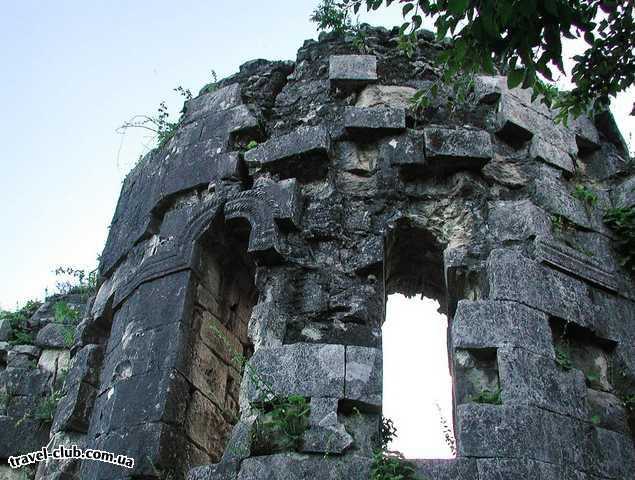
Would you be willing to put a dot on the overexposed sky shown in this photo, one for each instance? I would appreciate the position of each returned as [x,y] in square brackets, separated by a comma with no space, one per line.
[74,71]
[417,380]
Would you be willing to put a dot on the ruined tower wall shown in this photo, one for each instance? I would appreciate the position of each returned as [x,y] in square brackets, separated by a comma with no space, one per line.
[285,253]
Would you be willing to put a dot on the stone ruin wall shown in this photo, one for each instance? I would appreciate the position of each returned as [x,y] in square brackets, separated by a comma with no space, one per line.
[286,253]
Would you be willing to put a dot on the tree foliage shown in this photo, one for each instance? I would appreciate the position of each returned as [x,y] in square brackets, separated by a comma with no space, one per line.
[523,39]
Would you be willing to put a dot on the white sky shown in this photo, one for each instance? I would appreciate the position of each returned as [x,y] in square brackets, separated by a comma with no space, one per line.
[74,71]
[416,376]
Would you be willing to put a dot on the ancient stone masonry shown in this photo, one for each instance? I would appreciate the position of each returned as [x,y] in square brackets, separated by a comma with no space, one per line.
[284,254]
[34,367]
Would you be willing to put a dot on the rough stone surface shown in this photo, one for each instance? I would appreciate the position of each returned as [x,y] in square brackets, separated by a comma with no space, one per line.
[448,150]
[352,71]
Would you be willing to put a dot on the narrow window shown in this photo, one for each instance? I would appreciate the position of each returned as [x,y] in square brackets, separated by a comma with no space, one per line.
[417,387]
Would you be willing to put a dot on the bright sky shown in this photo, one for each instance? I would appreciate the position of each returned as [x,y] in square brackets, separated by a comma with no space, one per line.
[417,382]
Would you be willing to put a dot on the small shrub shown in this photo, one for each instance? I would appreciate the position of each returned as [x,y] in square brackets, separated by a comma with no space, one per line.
[563,358]
[65,314]
[251,145]
[22,337]
[69,335]
[588,196]
[45,409]
[281,424]
[488,396]
[330,16]
[73,280]
[211,86]
[392,466]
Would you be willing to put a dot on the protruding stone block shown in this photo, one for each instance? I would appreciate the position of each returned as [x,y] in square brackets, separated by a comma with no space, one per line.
[450,149]
[312,370]
[326,439]
[364,375]
[220,471]
[491,324]
[303,153]
[586,135]
[514,120]
[542,150]
[360,122]
[577,263]
[350,72]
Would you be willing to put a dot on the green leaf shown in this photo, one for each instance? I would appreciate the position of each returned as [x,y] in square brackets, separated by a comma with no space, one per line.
[515,77]
[407,8]
[458,7]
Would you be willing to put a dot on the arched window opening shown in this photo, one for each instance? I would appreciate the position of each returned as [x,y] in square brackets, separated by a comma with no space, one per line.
[417,388]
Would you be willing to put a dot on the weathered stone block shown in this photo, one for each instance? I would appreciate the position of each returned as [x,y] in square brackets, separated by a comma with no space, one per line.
[323,412]
[220,471]
[299,369]
[530,379]
[221,99]
[517,278]
[555,198]
[386,96]
[291,466]
[5,330]
[514,120]
[453,469]
[487,324]
[303,152]
[586,135]
[328,439]
[606,411]
[624,195]
[450,149]
[349,72]
[500,431]
[405,151]
[74,409]
[52,335]
[360,122]
[542,150]
[364,375]
[517,220]
[28,436]
[504,469]
[356,158]
[604,163]
[577,263]
[53,361]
